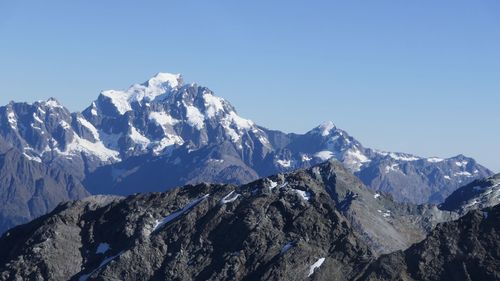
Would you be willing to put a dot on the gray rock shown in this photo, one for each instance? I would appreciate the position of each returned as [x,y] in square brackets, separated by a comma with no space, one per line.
[466,249]
[309,224]
[476,195]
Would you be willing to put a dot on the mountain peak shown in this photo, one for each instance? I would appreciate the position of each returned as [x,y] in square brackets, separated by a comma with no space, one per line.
[325,128]
[161,78]
[159,85]
[52,102]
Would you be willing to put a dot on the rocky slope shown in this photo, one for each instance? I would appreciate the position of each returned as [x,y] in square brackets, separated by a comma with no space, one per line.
[477,195]
[466,249]
[303,225]
[261,231]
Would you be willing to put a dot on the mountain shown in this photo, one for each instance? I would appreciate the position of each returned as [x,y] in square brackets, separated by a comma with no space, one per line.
[466,249]
[478,194]
[47,132]
[30,189]
[285,227]
[168,123]
[174,133]
[265,230]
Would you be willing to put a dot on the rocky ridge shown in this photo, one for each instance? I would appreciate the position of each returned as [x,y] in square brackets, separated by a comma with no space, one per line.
[303,225]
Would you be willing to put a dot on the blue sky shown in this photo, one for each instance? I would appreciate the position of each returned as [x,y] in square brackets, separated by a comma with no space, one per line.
[415,76]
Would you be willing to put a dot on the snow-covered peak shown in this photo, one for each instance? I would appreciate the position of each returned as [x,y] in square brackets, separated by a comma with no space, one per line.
[325,128]
[159,85]
[162,78]
[52,102]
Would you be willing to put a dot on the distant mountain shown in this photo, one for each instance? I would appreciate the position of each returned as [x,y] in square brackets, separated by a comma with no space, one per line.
[165,133]
[310,224]
[29,189]
[478,194]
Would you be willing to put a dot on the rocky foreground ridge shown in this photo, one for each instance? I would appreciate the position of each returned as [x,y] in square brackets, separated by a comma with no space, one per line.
[314,224]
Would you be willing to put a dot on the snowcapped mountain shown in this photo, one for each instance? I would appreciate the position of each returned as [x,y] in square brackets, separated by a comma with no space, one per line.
[46,131]
[164,113]
[173,133]
[407,177]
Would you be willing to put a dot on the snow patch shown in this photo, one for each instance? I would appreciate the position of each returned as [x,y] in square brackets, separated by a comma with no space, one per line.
[103,264]
[53,103]
[37,119]
[434,160]
[464,173]
[272,184]
[284,163]
[376,195]
[354,159]
[160,223]
[403,157]
[392,168]
[163,119]
[119,99]
[89,126]
[461,163]
[325,128]
[324,155]
[213,104]
[32,158]
[229,198]
[11,117]
[64,125]
[96,149]
[93,110]
[304,194]
[315,265]
[194,117]
[241,123]
[385,214]
[306,158]
[138,138]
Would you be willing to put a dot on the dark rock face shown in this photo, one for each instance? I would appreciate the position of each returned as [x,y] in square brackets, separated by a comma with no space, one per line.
[206,232]
[466,249]
[477,195]
[285,227]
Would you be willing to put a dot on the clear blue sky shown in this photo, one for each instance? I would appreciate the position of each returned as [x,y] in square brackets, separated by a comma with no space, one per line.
[414,76]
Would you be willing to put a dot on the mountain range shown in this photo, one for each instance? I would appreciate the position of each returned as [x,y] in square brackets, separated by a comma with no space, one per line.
[174,133]
[320,223]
